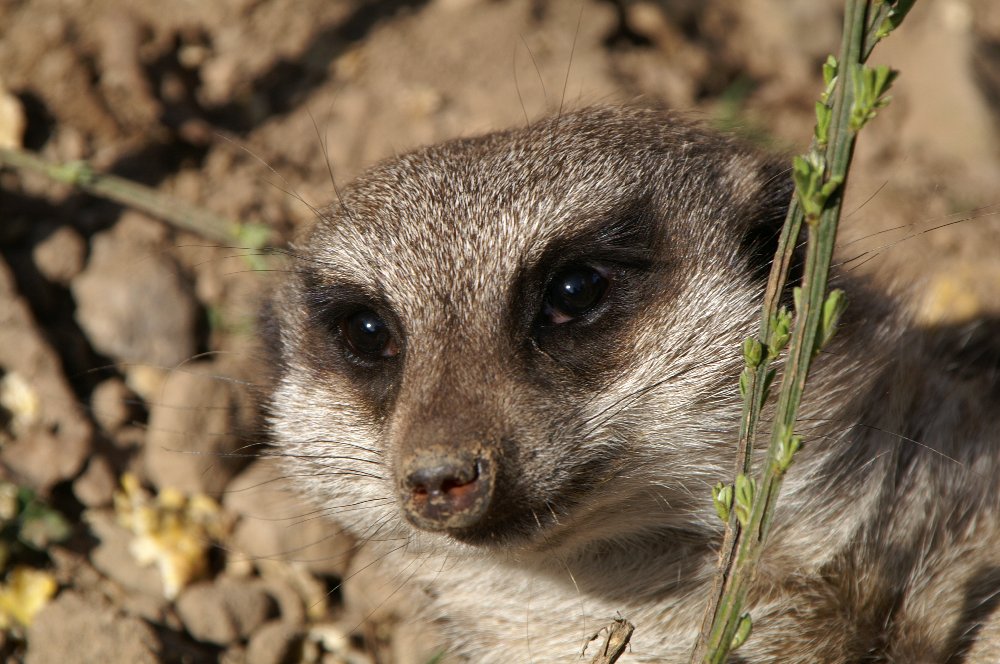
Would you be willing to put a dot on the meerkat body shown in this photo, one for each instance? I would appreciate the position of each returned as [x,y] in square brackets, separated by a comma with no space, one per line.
[510,362]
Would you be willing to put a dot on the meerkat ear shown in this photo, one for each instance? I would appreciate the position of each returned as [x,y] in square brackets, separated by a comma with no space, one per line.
[764,217]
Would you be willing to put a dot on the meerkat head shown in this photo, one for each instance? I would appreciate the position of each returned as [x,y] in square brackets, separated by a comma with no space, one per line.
[529,339]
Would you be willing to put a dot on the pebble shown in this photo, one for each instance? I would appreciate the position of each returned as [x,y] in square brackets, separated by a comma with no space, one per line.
[113,559]
[278,524]
[224,611]
[190,431]
[95,487]
[111,404]
[74,629]
[133,303]
[56,440]
[60,257]
[277,642]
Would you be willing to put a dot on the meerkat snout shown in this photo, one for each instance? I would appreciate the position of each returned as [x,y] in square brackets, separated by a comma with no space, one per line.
[446,465]
[447,480]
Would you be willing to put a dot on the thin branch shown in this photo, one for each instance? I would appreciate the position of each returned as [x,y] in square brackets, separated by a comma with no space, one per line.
[615,643]
[852,96]
[178,213]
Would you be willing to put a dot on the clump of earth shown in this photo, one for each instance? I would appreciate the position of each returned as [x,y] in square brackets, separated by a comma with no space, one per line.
[130,372]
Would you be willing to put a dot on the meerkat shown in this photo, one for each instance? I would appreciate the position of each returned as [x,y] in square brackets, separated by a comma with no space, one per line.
[510,362]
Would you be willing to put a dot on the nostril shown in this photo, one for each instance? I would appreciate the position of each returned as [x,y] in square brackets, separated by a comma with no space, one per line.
[455,485]
[446,491]
[443,479]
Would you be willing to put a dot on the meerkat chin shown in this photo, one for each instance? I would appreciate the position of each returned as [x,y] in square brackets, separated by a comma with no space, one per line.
[519,353]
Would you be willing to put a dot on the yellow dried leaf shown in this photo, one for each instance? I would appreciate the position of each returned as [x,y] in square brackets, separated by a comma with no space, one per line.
[19,398]
[172,531]
[23,595]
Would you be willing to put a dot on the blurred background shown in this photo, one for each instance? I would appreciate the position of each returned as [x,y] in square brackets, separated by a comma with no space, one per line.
[136,522]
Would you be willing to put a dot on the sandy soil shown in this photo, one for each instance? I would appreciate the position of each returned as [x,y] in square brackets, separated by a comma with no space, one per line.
[127,348]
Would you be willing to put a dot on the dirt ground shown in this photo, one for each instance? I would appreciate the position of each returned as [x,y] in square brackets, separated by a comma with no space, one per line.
[139,521]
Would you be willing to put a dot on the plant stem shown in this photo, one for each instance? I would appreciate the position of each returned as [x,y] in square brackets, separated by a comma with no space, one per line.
[178,213]
[864,25]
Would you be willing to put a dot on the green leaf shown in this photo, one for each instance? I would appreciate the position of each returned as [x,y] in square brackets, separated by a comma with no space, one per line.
[743,630]
[829,71]
[722,498]
[753,352]
[823,116]
[833,308]
[788,445]
[745,377]
[895,17]
[781,326]
[870,87]
[745,490]
[811,187]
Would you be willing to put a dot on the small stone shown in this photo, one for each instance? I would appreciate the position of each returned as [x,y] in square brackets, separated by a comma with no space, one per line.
[74,629]
[202,609]
[248,602]
[191,431]
[111,404]
[219,77]
[275,523]
[311,595]
[224,611]
[275,643]
[239,566]
[234,654]
[123,81]
[113,558]
[61,255]
[373,594]
[291,605]
[96,485]
[134,304]
[56,440]
[649,20]
[145,380]
[136,228]
[143,606]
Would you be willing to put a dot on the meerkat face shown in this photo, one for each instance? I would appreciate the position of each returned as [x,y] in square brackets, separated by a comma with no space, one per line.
[529,339]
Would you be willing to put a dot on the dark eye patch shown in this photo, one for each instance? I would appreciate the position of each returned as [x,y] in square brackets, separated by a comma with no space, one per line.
[352,322]
[572,302]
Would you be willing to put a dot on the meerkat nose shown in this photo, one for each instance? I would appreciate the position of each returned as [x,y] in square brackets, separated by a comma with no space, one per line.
[446,490]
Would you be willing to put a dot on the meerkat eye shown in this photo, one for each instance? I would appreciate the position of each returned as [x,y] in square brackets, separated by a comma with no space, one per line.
[368,336]
[573,292]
